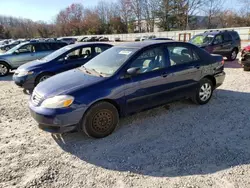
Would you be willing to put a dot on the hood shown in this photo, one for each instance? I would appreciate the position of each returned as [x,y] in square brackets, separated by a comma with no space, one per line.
[32,65]
[4,54]
[66,82]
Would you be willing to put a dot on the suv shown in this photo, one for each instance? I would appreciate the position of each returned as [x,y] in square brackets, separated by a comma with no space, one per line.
[225,43]
[26,52]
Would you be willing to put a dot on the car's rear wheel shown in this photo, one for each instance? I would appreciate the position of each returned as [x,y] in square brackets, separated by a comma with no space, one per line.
[100,120]
[42,77]
[233,55]
[246,68]
[204,92]
[4,69]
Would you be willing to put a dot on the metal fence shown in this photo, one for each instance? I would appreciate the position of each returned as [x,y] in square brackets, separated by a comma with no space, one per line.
[244,33]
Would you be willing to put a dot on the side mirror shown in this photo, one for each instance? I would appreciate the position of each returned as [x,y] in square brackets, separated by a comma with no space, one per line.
[133,71]
[16,52]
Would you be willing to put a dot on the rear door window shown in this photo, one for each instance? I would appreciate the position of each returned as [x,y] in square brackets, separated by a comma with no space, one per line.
[56,46]
[41,47]
[180,54]
[100,49]
[227,37]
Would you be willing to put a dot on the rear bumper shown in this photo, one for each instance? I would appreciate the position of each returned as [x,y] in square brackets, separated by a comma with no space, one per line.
[56,120]
[220,79]
[25,82]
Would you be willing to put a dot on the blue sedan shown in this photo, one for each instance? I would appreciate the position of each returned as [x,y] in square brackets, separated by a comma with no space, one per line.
[66,58]
[123,80]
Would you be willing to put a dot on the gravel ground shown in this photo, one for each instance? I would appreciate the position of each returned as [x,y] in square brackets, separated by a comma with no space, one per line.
[178,145]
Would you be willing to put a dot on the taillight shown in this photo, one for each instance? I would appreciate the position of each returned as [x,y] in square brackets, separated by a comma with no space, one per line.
[223,62]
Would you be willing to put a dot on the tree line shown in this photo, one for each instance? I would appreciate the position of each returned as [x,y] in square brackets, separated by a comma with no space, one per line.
[129,16]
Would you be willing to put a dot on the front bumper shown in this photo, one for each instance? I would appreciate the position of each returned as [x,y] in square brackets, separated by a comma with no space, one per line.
[220,79]
[57,120]
[26,82]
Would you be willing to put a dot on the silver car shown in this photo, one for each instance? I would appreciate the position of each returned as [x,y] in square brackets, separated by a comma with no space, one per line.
[26,52]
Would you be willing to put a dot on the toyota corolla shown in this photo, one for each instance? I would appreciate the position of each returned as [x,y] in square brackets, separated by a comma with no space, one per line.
[123,80]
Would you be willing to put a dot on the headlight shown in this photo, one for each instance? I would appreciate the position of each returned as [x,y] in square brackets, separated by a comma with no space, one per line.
[24,73]
[60,101]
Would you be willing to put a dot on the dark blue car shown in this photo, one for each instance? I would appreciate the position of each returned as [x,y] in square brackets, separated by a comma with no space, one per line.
[123,80]
[66,58]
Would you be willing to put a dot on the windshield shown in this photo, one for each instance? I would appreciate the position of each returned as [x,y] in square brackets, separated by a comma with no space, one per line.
[56,53]
[201,39]
[108,62]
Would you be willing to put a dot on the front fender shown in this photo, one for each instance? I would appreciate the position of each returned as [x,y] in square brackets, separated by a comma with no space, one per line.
[6,61]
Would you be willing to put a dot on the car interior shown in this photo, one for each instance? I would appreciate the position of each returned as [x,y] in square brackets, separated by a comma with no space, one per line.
[149,61]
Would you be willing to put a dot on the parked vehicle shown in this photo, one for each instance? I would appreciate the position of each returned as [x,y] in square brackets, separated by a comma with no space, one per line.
[68,40]
[7,47]
[66,58]
[245,58]
[117,39]
[145,38]
[123,80]
[26,52]
[90,39]
[104,39]
[160,39]
[226,43]
[81,39]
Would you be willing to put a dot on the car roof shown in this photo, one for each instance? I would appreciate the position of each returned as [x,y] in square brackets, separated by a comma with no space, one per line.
[147,43]
[217,32]
[87,44]
[40,42]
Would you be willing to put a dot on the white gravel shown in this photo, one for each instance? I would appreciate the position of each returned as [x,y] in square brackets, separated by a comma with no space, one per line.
[179,145]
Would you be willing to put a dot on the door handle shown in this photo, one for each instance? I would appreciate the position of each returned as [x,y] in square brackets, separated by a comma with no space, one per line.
[197,66]
[164,75]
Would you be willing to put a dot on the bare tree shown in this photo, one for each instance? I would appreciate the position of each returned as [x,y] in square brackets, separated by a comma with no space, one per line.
[211,8]
[192,8]
[136,7]
[125,11]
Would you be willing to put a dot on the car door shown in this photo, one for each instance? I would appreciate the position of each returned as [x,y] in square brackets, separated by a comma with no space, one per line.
[42,50]
[183,72]
[75,58]
[218,44]
[143,90]
[227,44]
[23,55]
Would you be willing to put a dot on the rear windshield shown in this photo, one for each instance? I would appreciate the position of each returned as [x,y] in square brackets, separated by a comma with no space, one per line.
[202,39]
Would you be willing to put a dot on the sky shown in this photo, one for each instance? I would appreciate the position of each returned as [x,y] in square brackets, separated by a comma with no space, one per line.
[46,10]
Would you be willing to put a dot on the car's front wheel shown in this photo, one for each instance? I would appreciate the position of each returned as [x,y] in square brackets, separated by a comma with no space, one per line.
[100,120]
[4,69]
[204,92]
[42,77]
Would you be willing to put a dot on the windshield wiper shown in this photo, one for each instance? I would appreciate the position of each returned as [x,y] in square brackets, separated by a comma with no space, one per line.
[85,69]
[99,73]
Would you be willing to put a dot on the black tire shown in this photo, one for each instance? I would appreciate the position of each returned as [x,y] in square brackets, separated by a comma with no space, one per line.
[198,98]
[246,68]
[232,55]
[100,120]
[40,77]
[4,69]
